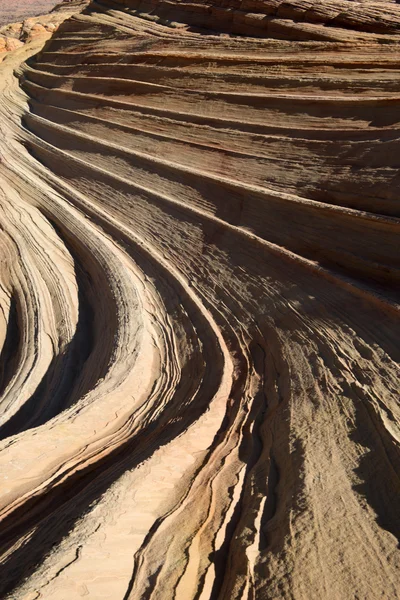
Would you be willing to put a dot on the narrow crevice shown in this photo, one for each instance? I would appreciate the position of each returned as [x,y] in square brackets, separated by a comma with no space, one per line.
[11,347]
[271,502]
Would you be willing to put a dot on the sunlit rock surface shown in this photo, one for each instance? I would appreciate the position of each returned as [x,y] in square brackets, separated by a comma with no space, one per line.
[14,10]
[199,325]
[14,35]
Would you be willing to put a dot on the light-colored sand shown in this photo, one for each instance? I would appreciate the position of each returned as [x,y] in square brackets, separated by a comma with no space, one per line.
[199,325]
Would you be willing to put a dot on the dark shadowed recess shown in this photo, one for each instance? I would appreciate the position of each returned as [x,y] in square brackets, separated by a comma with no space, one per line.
[67,502]
[11,347]
[66,379]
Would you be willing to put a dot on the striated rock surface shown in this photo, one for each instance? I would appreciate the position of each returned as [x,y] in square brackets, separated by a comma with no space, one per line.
[199,291]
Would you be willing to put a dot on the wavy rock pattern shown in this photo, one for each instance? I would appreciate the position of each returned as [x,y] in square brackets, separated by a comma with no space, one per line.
[199,303]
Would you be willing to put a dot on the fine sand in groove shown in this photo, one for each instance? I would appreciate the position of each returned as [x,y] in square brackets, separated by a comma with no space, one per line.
[199,294]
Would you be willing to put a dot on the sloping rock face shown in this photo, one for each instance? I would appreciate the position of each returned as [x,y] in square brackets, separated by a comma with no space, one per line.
[199,291]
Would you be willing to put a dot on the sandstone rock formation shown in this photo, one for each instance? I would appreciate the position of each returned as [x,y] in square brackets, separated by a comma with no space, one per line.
[200,303]
[14,35]
[14,10]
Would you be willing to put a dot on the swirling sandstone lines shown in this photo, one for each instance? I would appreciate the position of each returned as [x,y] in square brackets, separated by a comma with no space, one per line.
[199,303]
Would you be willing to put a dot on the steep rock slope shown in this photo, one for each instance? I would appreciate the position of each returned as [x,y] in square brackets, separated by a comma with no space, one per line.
[199,292]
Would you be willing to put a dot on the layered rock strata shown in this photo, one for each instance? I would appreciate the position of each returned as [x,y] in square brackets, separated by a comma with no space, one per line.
[200,310]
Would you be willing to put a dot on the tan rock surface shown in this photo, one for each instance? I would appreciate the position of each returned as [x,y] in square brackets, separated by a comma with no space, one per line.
[17,10]
[13,35]
[199,291]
